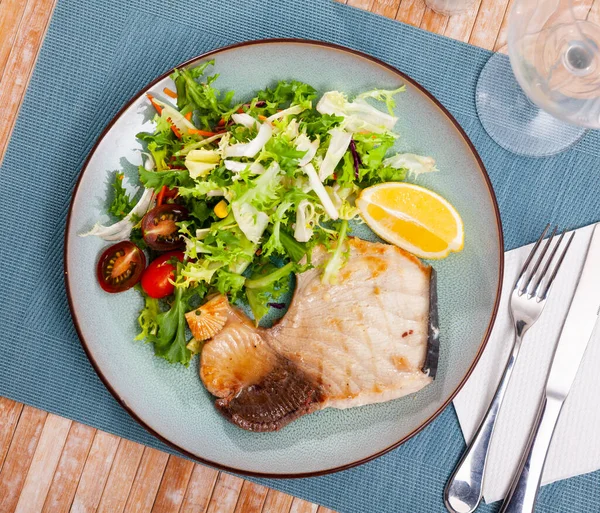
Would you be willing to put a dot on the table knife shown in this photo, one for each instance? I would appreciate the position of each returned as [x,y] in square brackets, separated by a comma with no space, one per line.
[574,337]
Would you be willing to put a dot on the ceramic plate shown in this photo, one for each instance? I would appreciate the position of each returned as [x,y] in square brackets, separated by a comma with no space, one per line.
[169,400]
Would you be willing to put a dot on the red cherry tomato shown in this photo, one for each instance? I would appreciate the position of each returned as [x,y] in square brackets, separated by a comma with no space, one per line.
[159,229]
[120,267]
[155,280]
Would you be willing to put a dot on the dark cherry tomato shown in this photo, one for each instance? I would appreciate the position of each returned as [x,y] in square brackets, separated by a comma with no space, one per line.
[159,229]
[120,267]
[155,280]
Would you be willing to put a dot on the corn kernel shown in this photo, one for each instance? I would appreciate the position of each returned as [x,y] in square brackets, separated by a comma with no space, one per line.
[221,209]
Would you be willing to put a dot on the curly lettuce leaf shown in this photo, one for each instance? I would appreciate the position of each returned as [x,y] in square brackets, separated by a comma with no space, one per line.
[171,178]
[384,95]
[358,115]
[415,165]
[121,203]
[166,330]
[287,93]
[314,124]
[209,105]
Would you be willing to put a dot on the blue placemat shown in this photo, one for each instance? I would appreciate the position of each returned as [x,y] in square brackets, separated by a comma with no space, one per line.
[99,52]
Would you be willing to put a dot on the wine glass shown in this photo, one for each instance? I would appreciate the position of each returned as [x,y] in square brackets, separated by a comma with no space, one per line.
[552,96]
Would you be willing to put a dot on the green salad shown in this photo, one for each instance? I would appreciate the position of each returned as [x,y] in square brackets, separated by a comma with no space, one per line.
[235,196]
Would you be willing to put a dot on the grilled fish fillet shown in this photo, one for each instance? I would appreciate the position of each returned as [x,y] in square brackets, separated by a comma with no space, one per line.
[363,340]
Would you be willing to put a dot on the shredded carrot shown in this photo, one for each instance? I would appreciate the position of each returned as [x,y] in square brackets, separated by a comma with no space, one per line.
[188,116]
[222,122]
[204,133]
[156,105]
[170,92]
[262,118]
[161,196]
[174,128]
[240,110]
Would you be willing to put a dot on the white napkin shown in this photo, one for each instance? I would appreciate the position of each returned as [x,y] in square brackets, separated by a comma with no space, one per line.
[575,449]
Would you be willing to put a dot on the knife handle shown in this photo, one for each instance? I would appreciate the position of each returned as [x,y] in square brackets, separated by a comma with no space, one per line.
[526,481]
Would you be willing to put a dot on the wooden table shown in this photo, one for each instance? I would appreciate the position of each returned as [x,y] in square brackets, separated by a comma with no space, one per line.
[52,464]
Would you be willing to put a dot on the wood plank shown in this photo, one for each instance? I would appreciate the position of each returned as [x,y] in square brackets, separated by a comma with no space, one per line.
[323,509]
[361,4]
[121,476]
[173,485]
[300,506]
[277,502]
[501,38]
[20,63]
[10,411]
[69,469]
[199,490]
[225,495]
[43,464]
[11,12]
[488,22]
[388,8]
[460,26]
[146,482]
[594,14]
[20,454]
[95,473]
[434,21]
[251,499]
[411,12]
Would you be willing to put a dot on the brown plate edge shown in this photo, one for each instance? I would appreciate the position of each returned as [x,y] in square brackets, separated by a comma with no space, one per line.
[483,342]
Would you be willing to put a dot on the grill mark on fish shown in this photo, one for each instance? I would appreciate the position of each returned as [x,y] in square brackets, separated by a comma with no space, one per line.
[376,265]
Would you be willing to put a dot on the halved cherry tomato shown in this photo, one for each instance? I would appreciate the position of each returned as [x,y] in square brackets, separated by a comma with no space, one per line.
[159,229]
[155,280]
[120,267]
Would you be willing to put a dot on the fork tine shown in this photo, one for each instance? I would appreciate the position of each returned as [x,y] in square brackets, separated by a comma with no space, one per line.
[537,264]
[544,294]
[541,275]
[529,258]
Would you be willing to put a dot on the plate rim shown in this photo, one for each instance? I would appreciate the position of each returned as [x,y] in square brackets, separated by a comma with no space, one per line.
[484,340]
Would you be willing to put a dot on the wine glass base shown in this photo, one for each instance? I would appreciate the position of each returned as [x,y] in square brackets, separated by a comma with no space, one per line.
[515,122]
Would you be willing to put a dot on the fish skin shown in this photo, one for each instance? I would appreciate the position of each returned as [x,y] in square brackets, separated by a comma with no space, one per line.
[359,341]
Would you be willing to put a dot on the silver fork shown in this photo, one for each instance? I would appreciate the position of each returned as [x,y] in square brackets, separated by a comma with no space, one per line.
[464,489]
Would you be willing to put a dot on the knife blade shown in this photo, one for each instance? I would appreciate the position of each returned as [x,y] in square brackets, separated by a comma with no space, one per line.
[579,324]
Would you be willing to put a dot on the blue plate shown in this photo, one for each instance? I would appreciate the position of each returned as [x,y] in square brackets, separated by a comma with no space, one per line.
[169,400]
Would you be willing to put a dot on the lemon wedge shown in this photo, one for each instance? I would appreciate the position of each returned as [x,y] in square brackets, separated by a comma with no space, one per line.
[413,218]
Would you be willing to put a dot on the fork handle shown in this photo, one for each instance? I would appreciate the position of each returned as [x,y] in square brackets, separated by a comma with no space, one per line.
[465,487]
[526,481]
